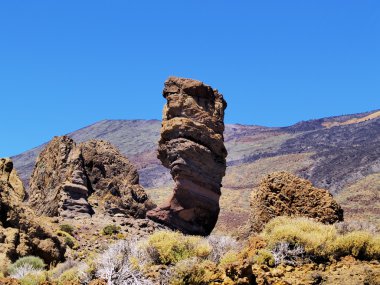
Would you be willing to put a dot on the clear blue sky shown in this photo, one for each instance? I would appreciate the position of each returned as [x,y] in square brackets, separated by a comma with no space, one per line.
[67,64]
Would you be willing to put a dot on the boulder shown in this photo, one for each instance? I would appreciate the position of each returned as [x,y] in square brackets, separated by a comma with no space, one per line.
[192,147]
[21,233]
[284,194]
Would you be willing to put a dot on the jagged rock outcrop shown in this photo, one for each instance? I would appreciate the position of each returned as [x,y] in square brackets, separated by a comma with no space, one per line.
[192,147]
[9,175]
[114,180]
[20,233]
[69,180]
[284,194]
[58,185]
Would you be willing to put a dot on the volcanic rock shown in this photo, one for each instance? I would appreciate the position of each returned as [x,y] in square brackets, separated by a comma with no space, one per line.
[20,232]
[59,185]
[114,180]
[69,180]
[9,175]
[284,194]
[192,147]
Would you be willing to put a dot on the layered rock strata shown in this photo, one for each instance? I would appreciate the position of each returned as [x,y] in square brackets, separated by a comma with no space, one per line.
[69,180]
[192,147]
[59,185]
[21,233]
[284,194]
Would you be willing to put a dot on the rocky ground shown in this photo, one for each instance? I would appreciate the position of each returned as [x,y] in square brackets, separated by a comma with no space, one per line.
[348,271]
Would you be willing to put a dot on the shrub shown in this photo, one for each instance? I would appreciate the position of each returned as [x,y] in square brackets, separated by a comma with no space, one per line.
[110,230]
[70,275]
[25,265]
[193,271]
[36,278]
[264,257]
[115,267]
[70,272]
[319,241]
[166,247]
[62,267]
[314,237]
[229,258]
[283,253]
[67,228]
[373,248]
[220,245]
[354,243]
[70,241]
[255,243]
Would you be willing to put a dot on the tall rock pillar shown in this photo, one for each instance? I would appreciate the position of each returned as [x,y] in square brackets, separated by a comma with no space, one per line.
[192,147]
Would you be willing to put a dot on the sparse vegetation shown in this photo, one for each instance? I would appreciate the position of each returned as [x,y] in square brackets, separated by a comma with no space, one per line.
[193,271]
[67,228]
[26,265]
[165,247]
[264,257]
[35,278]
[69,239]
[177,259]
[319,241]
[110,230]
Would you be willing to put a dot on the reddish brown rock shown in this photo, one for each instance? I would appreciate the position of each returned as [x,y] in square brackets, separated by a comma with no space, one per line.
[284,194]
[69,180]
[192,147]
[58,185]
[114,180]
[21,233]
[9,175]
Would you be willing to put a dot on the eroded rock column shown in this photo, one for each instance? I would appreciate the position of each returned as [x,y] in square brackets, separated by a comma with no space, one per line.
[192,147]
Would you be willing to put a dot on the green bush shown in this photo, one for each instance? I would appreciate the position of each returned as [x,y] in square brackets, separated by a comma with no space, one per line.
[321,241]
[110,230]
[373,248]
[193,271]
[229,258]
[166,247]
[359,244]
[34,261]
[69,242]
[67,228]
[69,276]
[314,237]
[264,257]
[69,239]
[33,279]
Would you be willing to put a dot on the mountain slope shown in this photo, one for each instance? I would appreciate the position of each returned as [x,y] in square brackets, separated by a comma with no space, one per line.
[334,153]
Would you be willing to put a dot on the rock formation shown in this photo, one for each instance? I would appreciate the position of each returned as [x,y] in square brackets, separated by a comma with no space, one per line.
[20,233]
[192,147]
[59,184]
[9,175]
[284,194]
[69,180]
[114,180]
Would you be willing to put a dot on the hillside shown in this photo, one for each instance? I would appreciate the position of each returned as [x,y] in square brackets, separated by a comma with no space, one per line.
[336,153]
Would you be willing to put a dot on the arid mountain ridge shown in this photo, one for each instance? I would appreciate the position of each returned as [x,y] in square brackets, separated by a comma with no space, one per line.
[347,143]
[335,153]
